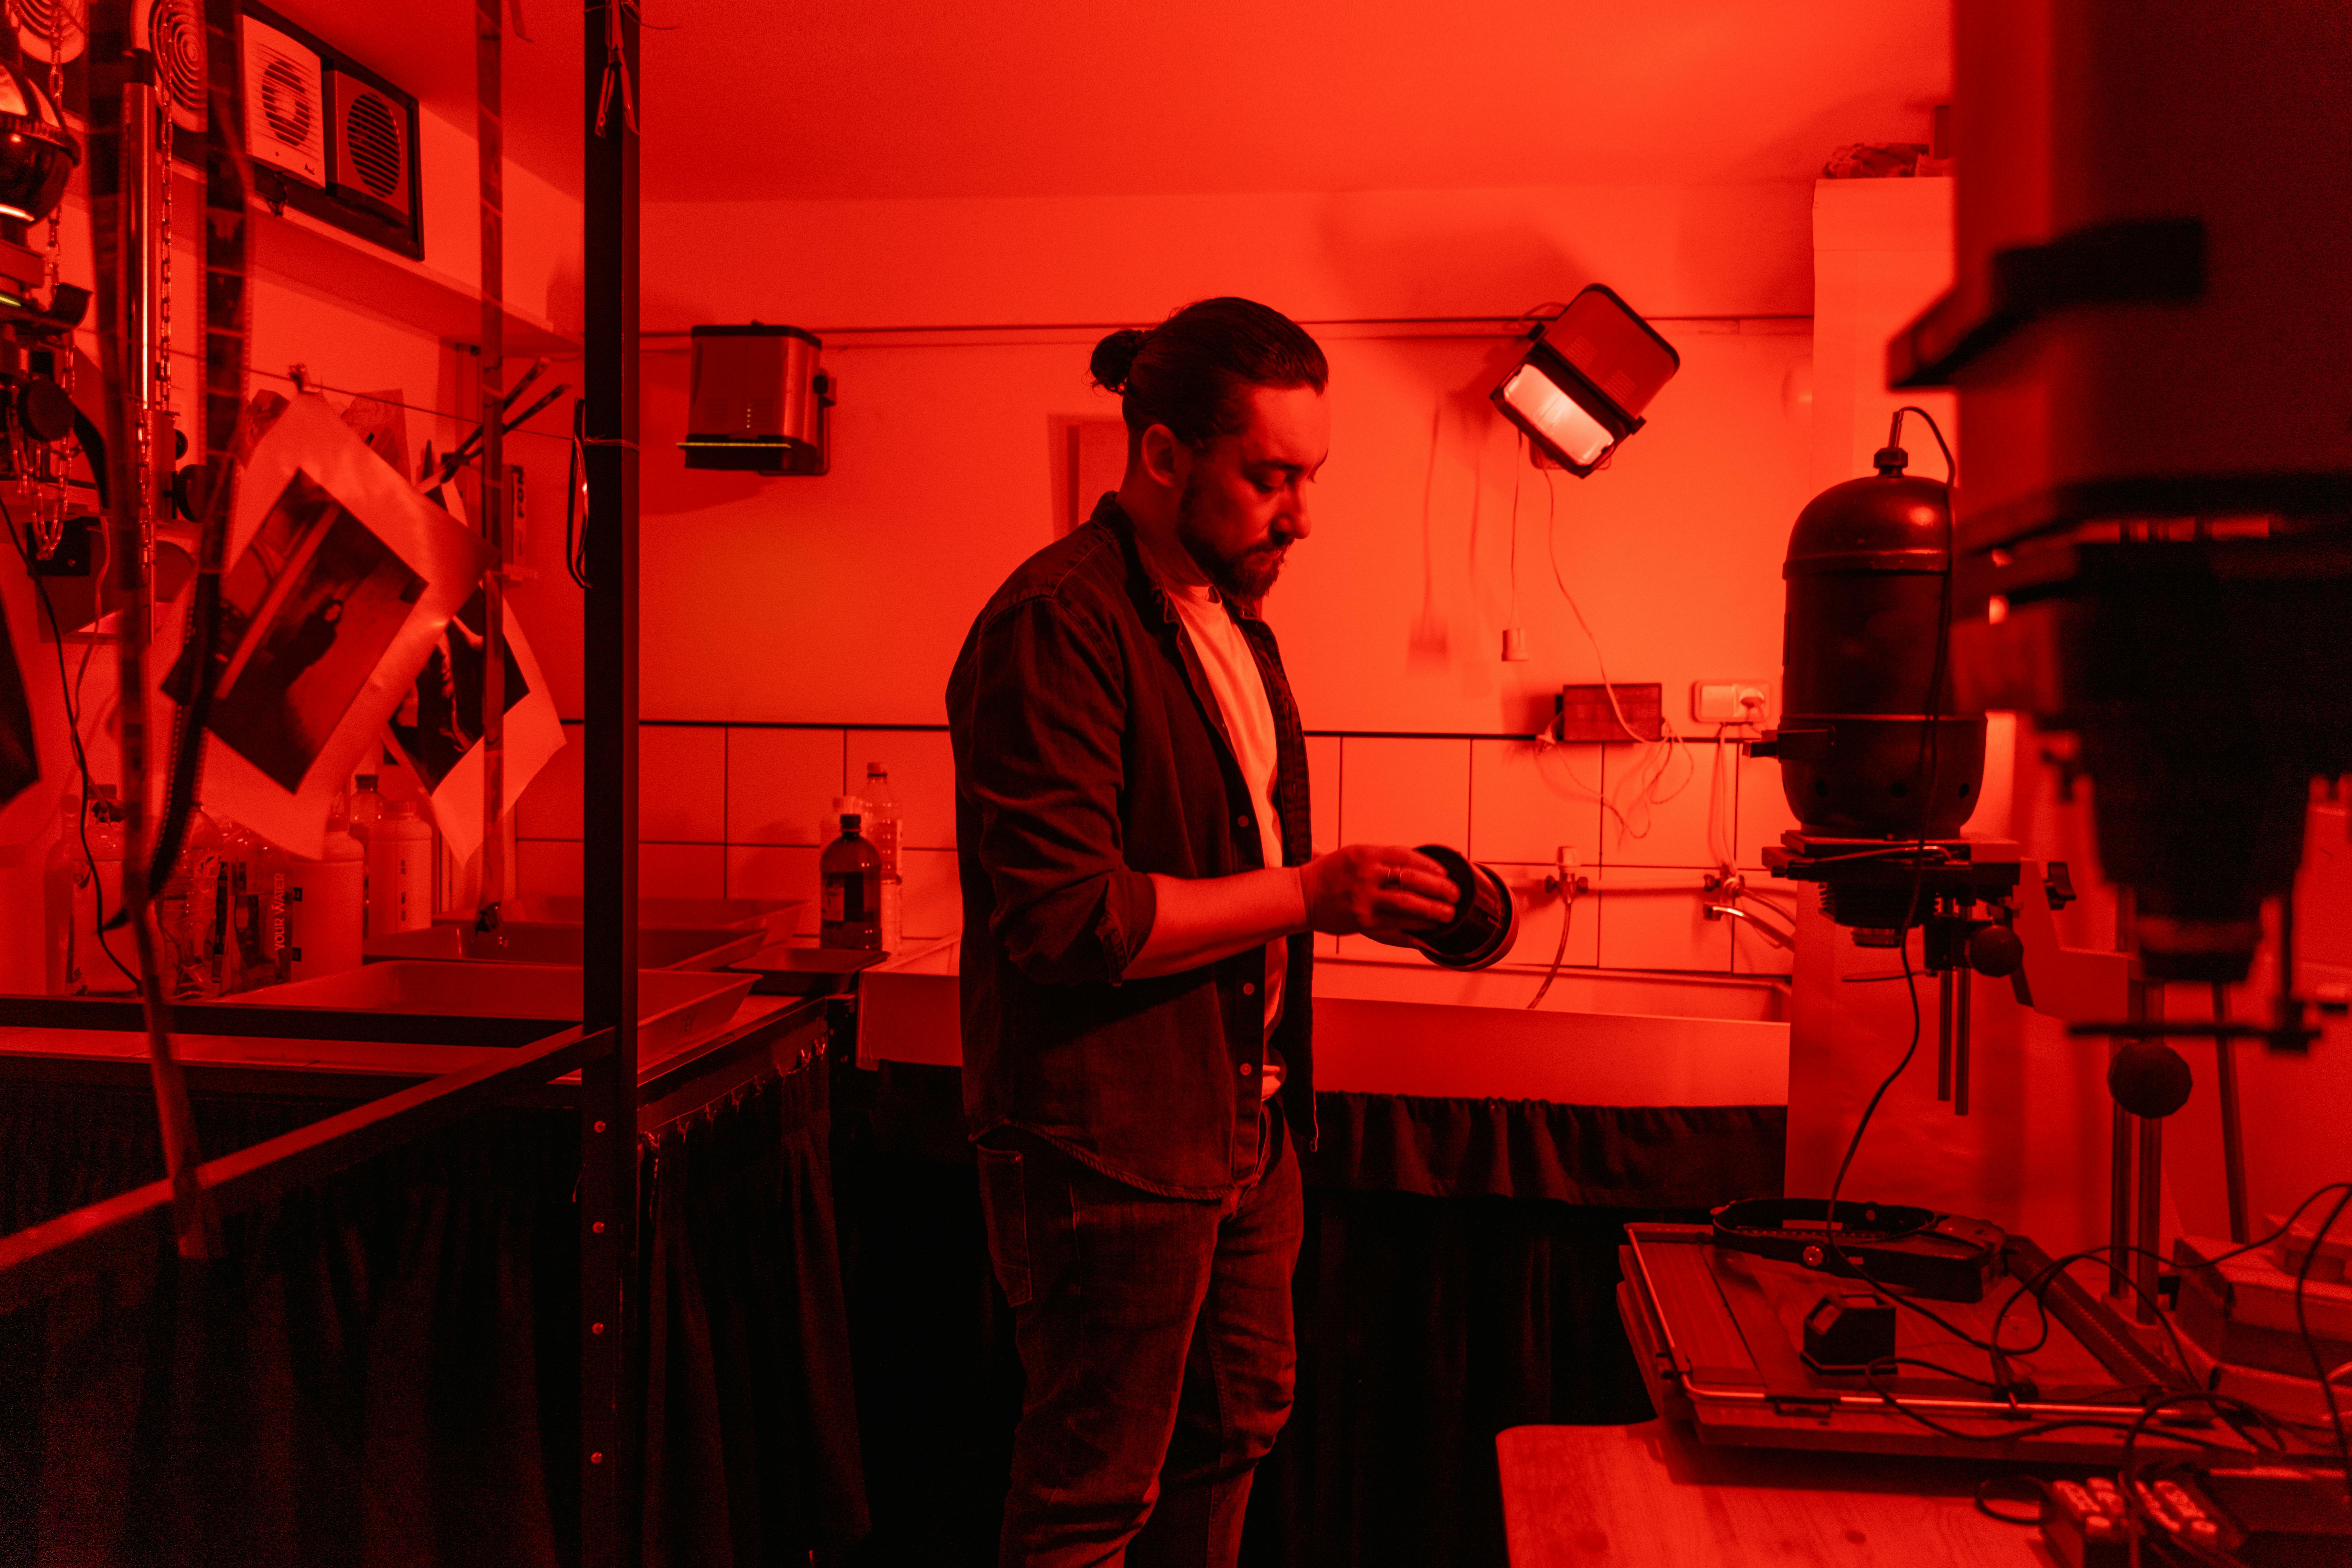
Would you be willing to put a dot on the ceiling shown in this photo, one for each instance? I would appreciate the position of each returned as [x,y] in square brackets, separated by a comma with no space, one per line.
[787,99]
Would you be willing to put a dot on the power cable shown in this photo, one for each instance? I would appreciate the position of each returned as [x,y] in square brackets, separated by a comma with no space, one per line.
[66,690]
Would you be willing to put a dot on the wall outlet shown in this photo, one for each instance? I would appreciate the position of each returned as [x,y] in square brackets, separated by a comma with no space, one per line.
[1730,701]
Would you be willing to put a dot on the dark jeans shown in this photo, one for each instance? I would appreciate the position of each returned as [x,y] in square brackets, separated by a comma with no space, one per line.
[1156,1346]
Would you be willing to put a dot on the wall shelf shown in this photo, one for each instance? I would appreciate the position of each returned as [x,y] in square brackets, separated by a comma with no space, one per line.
[302,249]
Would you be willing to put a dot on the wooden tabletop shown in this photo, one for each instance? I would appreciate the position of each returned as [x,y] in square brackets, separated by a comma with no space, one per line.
[1653,1495]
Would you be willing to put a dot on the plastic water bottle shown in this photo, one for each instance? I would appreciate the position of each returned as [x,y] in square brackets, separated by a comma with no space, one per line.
[852,874]
[399,872]
[253,889]
[881,828]
[364,808]
[75,893]
[326,908]
[187,912]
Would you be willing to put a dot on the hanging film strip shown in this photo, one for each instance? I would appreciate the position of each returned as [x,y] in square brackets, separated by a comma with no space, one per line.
[207,489]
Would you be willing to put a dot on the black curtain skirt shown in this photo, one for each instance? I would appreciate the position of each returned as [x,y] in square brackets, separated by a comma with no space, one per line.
[1458,1277]
[384,1370]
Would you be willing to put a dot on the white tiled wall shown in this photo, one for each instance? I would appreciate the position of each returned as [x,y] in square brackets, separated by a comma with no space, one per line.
[736,811]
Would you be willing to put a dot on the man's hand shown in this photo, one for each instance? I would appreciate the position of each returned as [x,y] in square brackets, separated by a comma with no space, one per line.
[1380,891]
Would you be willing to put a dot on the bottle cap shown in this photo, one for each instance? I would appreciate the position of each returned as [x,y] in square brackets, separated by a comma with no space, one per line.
[367,780]
[850,819]
[877,771]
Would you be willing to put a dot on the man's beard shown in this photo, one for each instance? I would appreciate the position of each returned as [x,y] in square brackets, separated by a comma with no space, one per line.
[1245,576]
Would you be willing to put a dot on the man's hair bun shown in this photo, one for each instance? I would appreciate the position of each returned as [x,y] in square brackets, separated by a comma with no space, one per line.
[1193,371]
[1114,359]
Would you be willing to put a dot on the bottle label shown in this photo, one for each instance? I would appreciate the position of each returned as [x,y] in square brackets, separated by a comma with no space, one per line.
[845,897]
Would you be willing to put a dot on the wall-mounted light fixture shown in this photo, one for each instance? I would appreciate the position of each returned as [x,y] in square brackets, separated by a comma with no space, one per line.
[1586,378]
[757,401]
[37,154]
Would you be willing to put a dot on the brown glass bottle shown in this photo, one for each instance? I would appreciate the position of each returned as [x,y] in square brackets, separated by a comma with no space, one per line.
[851,873]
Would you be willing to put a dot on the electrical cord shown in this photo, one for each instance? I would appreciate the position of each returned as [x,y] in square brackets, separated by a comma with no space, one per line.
[73,730]
[2039,1495]
[2224,1408]
[1924,778]
[2256,1245]
[576,497]
[2311,1342]
[1568,891]
[2134,1509]
[1657,755]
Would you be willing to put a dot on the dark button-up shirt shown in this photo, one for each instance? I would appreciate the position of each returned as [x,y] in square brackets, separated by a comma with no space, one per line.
[1089,754]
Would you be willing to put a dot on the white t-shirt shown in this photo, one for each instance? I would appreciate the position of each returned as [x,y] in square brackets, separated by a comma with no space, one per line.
[1240,689]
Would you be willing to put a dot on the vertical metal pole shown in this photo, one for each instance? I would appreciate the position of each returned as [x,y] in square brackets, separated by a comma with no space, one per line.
[2233,1140]
[610,1403]
[490,131]
[121,188]
[2145,1262]
[1943,1033]
[1963,984]
[2119,1151]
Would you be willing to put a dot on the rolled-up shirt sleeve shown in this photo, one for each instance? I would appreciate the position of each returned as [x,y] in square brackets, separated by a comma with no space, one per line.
[1046,766]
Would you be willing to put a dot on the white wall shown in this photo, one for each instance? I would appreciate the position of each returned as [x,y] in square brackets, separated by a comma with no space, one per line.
[841,601]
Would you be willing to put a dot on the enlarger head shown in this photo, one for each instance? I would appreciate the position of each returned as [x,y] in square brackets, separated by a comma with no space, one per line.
[1873,743]
[2156,537]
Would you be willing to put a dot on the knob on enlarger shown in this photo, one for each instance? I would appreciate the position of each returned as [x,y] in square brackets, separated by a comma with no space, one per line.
[1995,951]
[2149,1078]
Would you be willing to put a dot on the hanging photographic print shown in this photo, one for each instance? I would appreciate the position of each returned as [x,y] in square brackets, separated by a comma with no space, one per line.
[36,754]
[341,580]
[438,727]
[20,754]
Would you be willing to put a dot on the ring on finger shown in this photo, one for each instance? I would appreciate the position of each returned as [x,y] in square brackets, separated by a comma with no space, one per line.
[1391,877]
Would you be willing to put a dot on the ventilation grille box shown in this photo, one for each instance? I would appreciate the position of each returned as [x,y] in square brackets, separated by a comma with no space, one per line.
[285,103]
[359,133]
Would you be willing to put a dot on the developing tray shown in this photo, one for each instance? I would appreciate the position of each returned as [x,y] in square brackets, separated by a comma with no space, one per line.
[675,1008]
[800,968]
[553,942]
[777,915]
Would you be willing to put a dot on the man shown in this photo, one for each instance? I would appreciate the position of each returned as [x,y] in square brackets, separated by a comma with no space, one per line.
[1138,892]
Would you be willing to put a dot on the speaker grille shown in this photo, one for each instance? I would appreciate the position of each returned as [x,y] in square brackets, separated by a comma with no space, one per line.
[373,133]
[175,36]
[49,29]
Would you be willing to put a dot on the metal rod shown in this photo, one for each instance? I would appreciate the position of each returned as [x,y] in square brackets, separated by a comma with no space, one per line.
[2119,1186]
[1507,325]
[122,179]
[2119,1152]
[2145,1261]
[490,137]
[2233,1142]
[1963,979]
[1943,1034]
[120,1231]
[610,1401]
[2298,1037]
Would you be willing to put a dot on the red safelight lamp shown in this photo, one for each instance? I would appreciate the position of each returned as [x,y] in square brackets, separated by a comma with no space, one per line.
[1581,389]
